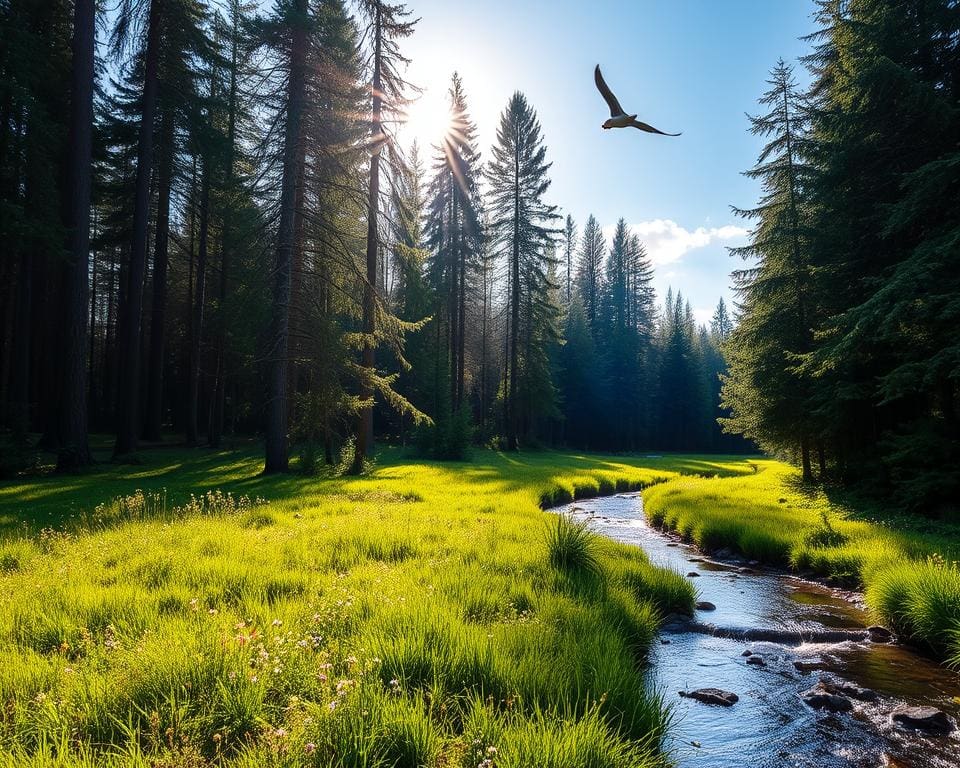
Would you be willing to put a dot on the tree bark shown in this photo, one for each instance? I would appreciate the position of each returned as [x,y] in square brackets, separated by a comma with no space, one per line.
[215,432]
[513,423]
[74,449]
[199,298]
[364,446]
[128,414]
[276,458]
[154,415]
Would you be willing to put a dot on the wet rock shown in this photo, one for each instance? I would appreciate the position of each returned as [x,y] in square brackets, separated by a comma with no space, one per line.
[757,661]
[747,653]
[673,544]
[744,569]
[724,553]
[819,697]
[880,634]
[696,560]
[806,666]
[693,575]
[712,696]
[845,688]
[753,562]
[923,719]
[705,605]
[664,641]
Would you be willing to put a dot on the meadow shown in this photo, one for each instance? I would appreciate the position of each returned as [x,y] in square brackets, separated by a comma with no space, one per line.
[906,565]
[190,611]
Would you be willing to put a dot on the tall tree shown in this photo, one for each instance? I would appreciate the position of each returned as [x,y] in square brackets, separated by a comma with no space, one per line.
[521,227]
[590,269]
[766,390]
[128,326]
[74,449]
[294,18]
[386,25]
[569,248]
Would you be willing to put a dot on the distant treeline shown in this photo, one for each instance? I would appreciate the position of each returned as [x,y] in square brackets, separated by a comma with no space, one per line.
[208,227]
[846,353]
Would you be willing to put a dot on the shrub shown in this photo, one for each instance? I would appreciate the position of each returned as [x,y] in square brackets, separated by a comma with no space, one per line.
[572,546]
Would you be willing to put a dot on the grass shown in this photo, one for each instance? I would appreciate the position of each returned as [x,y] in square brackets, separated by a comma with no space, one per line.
[907,567]
[428,614]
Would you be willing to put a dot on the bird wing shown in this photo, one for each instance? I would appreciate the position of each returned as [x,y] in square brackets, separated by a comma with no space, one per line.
[615,108]
[650,128]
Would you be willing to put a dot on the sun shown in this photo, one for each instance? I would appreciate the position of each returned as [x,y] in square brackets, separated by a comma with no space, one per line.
[428,118]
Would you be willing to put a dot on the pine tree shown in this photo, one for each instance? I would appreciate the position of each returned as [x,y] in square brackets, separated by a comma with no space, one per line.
[569,248]
[386,25]
[294,19]
[74,448]
[766,391]
[590,268]
[521,228]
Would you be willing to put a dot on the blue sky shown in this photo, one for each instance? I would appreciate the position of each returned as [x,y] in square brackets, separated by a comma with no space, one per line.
[684,65]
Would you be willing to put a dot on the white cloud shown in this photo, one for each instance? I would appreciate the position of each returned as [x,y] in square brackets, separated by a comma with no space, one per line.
[667,242]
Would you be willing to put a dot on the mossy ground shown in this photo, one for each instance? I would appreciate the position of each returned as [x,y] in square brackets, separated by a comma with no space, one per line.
[411,617]
[907,565]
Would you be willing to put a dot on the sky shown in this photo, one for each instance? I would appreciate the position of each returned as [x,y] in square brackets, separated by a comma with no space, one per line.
[695,66]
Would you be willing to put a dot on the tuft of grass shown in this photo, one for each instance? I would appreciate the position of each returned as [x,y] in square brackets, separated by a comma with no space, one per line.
[572,546]
[907,569]
[222,617]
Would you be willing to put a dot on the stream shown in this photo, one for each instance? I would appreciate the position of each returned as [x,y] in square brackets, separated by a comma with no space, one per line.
[820,628]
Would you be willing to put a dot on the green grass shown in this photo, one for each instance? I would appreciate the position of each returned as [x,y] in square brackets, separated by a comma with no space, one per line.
[419,616]
[907,567]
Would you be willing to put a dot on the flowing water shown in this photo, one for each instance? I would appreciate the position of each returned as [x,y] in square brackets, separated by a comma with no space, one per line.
[818,627]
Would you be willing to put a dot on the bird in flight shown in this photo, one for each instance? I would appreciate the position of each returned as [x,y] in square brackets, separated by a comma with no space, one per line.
[619,118]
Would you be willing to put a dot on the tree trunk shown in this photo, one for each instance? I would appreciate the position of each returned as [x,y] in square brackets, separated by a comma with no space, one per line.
[154,416]
[199,297]
[74,444]
[364,446]
[276,456]
[215,431]
[128,413]
[805,458]
[513,422]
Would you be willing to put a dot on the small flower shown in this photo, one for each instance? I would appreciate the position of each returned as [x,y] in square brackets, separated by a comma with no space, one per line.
[309,747]
[332,705]
[276,623]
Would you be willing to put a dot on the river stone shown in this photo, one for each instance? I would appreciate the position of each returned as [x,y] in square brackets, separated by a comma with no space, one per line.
[744,569]
[756,660]
[747,653]
[705,605]
[712,696]
[724,553]
[846,688]
[819,697]
[693,575]
[922,718]
[880,634]
[806,666]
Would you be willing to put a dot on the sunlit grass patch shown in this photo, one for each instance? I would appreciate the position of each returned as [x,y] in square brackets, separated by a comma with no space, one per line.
[908,574]
[385,621]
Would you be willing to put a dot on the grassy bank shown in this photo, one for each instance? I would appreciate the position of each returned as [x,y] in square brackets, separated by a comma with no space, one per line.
[427,614]
[907,567]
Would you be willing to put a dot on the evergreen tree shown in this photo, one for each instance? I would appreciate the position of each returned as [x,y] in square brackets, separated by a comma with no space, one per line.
[386,25]
[766,391]
[521,228]
[590,269]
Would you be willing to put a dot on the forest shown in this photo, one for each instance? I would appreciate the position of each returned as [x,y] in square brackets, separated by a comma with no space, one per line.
[250,270]
[272,366]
